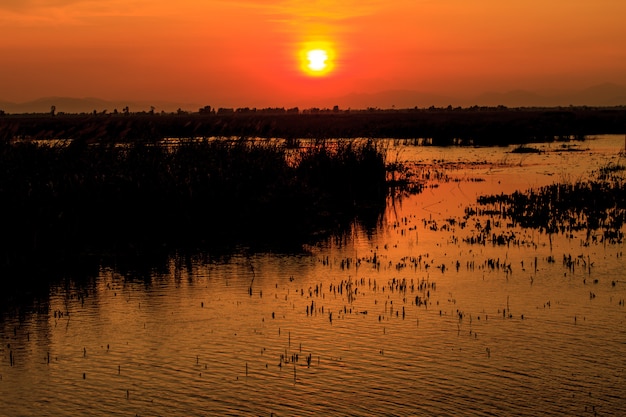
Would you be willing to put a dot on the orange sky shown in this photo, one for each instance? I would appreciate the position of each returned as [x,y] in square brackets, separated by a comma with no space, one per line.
[245,52]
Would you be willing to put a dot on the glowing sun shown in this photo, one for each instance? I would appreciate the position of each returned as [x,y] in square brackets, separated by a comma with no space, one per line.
[317,59]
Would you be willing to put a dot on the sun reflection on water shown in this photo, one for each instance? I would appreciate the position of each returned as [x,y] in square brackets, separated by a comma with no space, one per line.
[407,319]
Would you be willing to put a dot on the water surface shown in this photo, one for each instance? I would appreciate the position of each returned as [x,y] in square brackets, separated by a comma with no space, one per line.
[406,319]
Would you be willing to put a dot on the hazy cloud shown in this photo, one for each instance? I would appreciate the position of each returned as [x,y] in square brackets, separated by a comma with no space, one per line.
[289,11]
[329,10]
[58,12]
[36,6]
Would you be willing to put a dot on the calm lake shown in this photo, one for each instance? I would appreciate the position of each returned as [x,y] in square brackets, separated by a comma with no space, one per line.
[412,317]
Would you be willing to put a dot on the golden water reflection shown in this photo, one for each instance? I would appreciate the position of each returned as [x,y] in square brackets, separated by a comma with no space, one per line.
[408,319]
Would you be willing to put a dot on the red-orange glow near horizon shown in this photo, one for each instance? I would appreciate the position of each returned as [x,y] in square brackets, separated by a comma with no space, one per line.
[317,59]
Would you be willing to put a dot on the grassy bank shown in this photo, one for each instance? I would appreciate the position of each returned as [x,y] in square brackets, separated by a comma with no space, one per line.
[66,200]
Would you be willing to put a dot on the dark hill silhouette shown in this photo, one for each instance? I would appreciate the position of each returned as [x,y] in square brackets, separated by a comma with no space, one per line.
[515,98]
[607,94]
[399,99]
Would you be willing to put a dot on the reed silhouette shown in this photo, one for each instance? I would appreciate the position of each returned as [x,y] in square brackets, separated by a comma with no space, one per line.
[598,203]
[81,198]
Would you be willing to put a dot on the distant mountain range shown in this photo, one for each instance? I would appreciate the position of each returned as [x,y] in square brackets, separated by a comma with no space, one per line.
[599,95]
[607,94]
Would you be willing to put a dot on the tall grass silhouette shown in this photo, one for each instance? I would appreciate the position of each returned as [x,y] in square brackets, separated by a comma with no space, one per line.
[76,197]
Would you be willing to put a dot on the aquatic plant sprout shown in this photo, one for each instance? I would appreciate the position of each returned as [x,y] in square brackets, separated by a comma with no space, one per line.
[599,203]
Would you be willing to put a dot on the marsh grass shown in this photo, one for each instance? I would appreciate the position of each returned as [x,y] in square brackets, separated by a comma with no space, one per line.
[598,203]
[79,198]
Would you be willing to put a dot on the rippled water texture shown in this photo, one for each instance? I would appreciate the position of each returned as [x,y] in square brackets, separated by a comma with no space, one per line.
[407,319]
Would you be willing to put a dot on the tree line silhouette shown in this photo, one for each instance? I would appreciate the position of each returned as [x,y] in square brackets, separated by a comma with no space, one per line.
[481,126]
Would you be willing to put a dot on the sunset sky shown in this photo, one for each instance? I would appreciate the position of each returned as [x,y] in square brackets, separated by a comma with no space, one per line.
[249,53]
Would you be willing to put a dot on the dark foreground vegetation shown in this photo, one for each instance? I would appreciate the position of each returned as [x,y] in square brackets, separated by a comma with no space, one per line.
[483,126]
[112,185]
[596,206]
[75,199]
